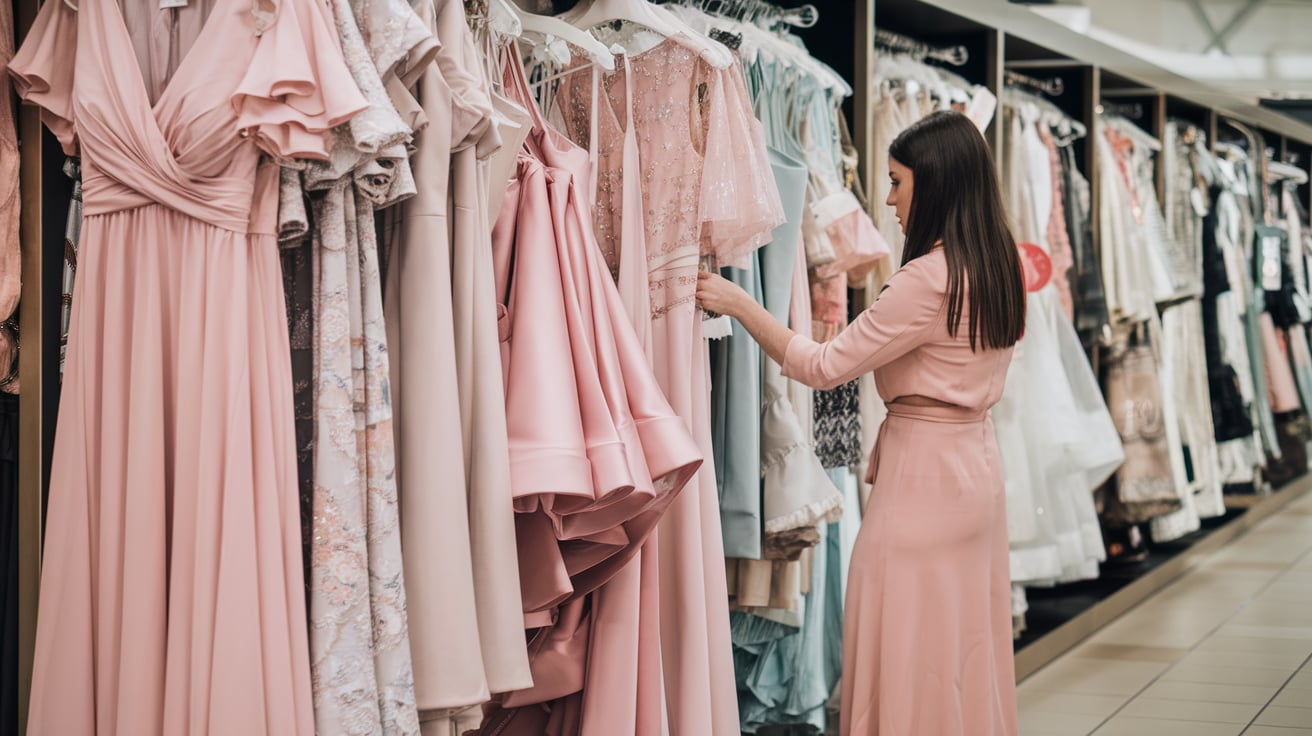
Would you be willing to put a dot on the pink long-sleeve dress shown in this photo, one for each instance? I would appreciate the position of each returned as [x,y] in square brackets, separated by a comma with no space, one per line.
[927,626]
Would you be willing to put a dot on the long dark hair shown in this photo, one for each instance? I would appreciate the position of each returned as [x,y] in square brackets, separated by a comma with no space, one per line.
[956,201]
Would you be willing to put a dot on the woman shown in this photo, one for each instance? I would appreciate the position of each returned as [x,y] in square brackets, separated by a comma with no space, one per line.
[927,645]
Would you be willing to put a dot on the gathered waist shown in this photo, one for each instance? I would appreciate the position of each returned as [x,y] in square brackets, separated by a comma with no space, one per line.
[942,413]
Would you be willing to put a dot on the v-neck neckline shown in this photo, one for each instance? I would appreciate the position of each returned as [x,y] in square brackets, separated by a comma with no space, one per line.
[139,73]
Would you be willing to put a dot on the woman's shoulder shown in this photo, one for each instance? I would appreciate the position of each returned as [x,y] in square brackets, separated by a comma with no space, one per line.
[929,270]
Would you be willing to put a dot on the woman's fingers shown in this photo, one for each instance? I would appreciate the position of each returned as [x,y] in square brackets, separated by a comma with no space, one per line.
[715,294]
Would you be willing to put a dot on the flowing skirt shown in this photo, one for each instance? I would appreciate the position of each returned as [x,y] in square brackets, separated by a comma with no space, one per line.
[927,625]
[172,597]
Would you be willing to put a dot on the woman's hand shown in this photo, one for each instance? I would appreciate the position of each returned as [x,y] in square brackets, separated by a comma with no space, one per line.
[717,294]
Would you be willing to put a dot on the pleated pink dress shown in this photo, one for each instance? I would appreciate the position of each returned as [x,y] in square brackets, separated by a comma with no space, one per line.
[927,624]
[172,598]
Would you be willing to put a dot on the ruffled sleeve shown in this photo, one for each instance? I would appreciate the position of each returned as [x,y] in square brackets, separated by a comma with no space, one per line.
[739,201]
[42,70]
[293,94]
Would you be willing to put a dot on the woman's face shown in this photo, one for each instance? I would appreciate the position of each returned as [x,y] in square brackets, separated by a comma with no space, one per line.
[899,194]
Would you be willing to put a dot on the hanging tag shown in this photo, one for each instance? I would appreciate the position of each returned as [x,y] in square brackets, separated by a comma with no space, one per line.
[166,4]
[1271,262]
[1199,201]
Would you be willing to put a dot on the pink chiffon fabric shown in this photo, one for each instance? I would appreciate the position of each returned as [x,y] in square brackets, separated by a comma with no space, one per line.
[172,596]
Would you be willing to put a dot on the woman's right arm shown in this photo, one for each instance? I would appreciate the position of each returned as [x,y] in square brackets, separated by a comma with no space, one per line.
[910,305]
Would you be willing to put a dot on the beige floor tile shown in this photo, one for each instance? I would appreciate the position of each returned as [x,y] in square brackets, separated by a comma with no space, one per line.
[1277,731]
[1255,645]
[1154,633]
[1226,675]
[1094,677]
[1303,633]
[1228,565]
[1289,661]
[1279,715]
[1129,653]
[1069,703]
[1177,710]
[1127,726]
[1274,614]
[1287,586]
[1209,692]
[1302,680]
[1294,697]
[1059,723]
[1285,597]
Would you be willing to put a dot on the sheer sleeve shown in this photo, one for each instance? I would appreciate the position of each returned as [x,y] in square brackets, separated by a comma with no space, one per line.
[293,92]
[42,70]
[908,309]
[739,201]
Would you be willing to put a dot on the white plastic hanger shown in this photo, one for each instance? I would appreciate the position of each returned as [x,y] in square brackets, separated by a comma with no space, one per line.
[1280,171]
[591,13]
[503,18]
[550,27]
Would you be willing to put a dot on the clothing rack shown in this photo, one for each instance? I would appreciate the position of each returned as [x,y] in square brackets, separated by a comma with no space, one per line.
[954,55]
[1132,110]
[1051,87]
[758,11]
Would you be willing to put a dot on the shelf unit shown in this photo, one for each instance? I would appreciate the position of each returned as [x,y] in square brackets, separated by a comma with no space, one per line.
[1002,37]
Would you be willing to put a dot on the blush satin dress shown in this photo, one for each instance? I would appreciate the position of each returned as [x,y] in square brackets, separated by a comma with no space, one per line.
[927,626]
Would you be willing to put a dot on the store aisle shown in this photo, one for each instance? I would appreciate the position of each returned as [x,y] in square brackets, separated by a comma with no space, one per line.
[1225,650]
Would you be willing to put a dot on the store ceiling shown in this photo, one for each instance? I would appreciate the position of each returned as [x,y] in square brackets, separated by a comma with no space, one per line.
[1258,49]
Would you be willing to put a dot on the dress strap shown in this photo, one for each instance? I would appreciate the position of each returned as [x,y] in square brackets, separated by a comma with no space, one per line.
[634,287]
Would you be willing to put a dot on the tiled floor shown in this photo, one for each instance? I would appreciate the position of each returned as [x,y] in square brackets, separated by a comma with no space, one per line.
[1226,650]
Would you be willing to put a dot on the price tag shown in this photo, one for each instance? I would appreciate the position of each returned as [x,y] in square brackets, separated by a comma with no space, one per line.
[166,4]
[1271,262]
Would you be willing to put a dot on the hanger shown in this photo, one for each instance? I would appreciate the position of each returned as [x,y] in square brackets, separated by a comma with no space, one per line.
[1054,117]
[707,15]
[1123,125]
[954,55]
[503,18]
[1287,173]
[1052,87]
[592,13]
[550,27]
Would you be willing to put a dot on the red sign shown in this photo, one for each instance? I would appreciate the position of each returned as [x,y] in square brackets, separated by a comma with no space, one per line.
[1036,265]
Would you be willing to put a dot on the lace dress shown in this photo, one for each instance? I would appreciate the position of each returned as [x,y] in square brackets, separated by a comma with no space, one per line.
[359,638]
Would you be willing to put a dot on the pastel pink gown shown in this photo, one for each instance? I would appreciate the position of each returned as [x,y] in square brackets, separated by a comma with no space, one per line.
[927,623]
[682,174]
[172,597]
[596,461]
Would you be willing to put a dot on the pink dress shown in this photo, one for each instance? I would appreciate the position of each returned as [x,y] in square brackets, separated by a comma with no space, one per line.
[595,462]
[11,264]
[172,597]
[682,173]
[927,624]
